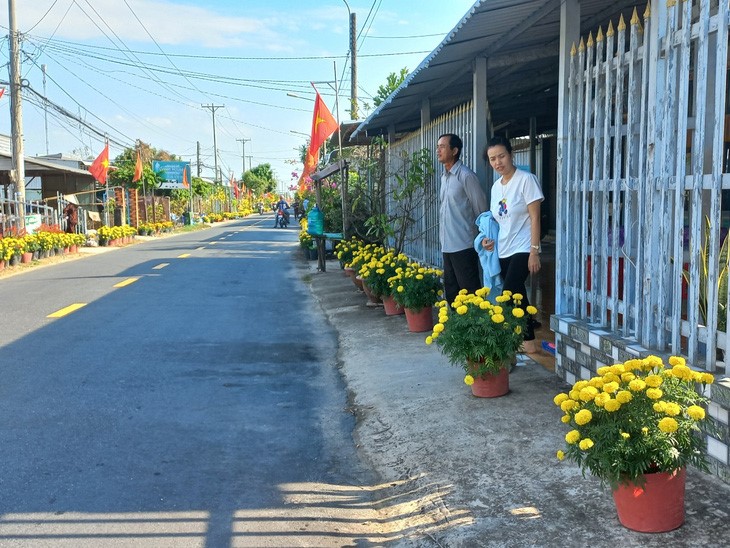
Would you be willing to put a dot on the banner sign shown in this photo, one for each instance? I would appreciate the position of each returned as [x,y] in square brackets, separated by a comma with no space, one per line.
[172,173]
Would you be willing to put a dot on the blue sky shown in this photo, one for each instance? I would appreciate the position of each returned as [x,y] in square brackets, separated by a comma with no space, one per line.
[141,69]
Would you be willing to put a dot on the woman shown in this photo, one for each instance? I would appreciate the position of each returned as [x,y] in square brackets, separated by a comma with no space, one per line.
[515,205]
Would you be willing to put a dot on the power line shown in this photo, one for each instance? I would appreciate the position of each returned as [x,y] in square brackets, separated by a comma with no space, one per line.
[45,14]
[158,45]
[126,49]
[439,34]
[100,133]
[232,57]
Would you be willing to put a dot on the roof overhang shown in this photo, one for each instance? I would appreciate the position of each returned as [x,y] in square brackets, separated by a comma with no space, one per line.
[35,167]
[520,40]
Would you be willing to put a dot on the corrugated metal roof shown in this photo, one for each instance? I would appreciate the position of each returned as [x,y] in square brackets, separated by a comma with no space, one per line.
[520,39]
[35,166]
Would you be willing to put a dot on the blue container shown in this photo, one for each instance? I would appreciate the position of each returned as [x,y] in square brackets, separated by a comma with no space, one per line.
[315,221]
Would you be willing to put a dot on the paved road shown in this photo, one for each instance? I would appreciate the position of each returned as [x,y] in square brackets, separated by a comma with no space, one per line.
[197,404]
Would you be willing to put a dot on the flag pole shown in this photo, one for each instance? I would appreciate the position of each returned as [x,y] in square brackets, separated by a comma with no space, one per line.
[343,167]
[190,212]
[106,189]
[144,186]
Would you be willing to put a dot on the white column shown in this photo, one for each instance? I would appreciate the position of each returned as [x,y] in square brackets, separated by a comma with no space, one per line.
[480,122]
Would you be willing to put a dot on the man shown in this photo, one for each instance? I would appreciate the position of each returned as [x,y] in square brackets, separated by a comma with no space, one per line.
[462,201]
[283,206]
[72,217]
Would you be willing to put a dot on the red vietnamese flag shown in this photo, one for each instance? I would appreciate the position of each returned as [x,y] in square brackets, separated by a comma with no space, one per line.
[323,125]
[138,169]
[236,192]
[100,166]
[185,178]
[2,90]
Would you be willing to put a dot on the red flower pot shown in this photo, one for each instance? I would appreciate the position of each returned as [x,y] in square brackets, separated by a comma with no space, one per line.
[491,385]
[391,307]
[655,507]
[26,257]
[421,321]
[359,283]
[371,296]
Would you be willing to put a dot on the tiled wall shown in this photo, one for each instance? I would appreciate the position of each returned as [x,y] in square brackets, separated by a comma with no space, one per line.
[581,348]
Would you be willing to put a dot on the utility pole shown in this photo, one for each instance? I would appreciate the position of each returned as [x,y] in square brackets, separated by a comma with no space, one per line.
[213,108]
[243,154]
[45,105]
[198,158]
[353,66]
[16,111]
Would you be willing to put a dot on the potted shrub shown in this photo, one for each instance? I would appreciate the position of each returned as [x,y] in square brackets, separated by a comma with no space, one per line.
[378,271]
[31,246]
[417,288]
[636,426]
[345,251]
[482,337]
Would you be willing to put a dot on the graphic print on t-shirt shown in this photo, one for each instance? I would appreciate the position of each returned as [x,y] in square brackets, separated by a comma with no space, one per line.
[502,207]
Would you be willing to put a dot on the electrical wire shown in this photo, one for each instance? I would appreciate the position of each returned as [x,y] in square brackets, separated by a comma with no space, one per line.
[158,46]
[100,133]
[370,24]
[234,57]
[151,74]
[44,16]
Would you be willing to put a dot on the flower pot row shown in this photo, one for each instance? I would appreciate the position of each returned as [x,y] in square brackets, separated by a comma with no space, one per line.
[28,257]
[418,321]
[634,425]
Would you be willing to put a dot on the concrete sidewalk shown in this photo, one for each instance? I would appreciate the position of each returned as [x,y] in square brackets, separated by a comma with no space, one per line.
[464,471]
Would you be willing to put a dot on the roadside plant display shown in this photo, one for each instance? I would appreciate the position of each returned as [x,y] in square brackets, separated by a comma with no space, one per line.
[416,287]
[380,269]
[635,424]
[305,238]
[475,330]
[8,248]
[482,337]
[31,243]
[362,256]
[635,418]
[346,250]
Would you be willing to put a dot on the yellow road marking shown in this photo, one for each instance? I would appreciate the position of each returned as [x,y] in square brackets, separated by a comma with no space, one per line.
[160,266]
[200,248]
[183,256]
[126,282]
[213,243]
[66,310]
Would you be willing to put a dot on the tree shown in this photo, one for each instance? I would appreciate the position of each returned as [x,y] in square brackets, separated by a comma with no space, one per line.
[260,179]
[391,84]
[125,163]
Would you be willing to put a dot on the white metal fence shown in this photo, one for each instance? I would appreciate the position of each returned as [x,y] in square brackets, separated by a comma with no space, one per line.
[423,237]
[641,217]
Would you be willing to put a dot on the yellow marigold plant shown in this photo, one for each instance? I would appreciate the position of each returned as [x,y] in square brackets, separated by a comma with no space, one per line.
[380,267]
[634,418]
[479,335]
[416,286]
[346,250]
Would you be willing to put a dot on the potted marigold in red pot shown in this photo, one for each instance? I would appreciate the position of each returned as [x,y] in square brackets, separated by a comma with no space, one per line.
[416,288]
[482,337]
[636,426]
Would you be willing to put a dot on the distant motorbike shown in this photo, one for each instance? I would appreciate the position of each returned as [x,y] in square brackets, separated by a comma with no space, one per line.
[281,220]
[261,209]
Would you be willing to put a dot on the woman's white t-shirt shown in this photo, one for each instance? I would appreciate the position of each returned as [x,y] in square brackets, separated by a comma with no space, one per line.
[509,207]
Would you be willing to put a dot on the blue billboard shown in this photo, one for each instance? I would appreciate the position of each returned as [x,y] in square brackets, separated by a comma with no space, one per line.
[174,174]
